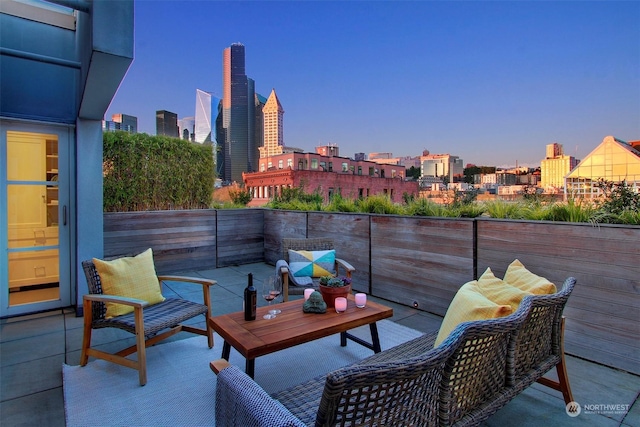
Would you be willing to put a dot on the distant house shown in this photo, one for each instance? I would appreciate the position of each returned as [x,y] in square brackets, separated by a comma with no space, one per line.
[613,160]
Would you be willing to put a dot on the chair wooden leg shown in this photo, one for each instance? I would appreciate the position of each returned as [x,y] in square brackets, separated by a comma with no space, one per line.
[285,286]
[86,336]
[562,385]
[561,368]
[141,346]
[207,302]
[563,380]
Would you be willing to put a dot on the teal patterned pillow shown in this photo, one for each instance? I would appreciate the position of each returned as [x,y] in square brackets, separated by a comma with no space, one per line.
[312,263]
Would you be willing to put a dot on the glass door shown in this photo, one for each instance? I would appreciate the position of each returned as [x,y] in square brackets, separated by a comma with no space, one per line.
[35,221]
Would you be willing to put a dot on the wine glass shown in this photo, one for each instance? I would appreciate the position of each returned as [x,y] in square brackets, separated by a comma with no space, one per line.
[268,293]
[276,290]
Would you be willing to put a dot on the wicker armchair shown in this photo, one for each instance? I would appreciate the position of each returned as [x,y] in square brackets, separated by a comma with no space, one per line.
[145,322]
[314,244]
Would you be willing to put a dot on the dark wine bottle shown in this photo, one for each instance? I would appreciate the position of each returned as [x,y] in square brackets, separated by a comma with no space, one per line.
[250,299]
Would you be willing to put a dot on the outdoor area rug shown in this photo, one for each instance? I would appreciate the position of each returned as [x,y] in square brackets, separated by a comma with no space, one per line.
[180,389]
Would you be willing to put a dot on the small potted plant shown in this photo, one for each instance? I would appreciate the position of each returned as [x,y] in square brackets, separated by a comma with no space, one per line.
[334,287]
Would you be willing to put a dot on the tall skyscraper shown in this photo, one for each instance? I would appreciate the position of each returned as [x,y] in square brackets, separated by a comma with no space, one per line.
[206,115]
[125,122]
[440,165]
[273,115]
[238,115]
[555,167]
[167,124]
[254,127]
[186,126]
[260,101]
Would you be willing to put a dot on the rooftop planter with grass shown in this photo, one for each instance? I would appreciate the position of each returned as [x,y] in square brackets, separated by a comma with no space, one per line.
[618,205]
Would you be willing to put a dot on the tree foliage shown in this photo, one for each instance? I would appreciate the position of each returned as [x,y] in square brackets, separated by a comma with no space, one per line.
[476,170]
[240,196]
[618,198]
[413,172]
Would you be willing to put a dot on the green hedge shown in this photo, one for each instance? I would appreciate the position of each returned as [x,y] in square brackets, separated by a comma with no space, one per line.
[143,172]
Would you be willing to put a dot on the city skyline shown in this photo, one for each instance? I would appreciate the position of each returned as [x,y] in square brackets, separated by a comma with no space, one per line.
[490,82]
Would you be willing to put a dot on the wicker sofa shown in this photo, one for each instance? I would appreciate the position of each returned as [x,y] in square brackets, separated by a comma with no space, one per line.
[478,369]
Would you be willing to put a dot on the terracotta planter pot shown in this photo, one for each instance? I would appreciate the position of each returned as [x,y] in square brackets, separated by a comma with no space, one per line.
[330,293]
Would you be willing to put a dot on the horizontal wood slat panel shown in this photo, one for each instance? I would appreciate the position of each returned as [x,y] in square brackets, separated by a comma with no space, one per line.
[279,225]
[601,244]
[578,322]
[240,236]
[158,219]
[598,350]
[602,312]
[423,261]
[181,240]
[350,234]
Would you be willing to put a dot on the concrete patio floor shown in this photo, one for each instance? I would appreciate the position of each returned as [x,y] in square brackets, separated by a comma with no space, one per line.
[34,347]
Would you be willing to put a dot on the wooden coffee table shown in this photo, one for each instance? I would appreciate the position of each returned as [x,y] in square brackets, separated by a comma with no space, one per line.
[258,337]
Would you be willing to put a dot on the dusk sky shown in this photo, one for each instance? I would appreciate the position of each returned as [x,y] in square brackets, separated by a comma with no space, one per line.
[492,82]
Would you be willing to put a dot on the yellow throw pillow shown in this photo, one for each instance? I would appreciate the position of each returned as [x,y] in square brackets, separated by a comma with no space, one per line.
[132,277]
[499,291]
[469,304]
[517,275]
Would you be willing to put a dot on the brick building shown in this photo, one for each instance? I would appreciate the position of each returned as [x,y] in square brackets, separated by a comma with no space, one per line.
[328,174]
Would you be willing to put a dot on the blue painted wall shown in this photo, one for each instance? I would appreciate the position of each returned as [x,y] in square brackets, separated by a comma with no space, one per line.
[52,75]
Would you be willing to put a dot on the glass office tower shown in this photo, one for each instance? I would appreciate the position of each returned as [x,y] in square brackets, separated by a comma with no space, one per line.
[238,114]
[206,116]
[125,122]
[186,128]
[167,124]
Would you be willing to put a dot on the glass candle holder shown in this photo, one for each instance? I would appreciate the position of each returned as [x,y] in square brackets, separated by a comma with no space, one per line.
[361,300]
[340,304]
[307,293]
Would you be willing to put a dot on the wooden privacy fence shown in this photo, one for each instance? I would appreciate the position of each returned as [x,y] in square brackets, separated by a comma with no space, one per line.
[420,262]
[603,313]
[188,239]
